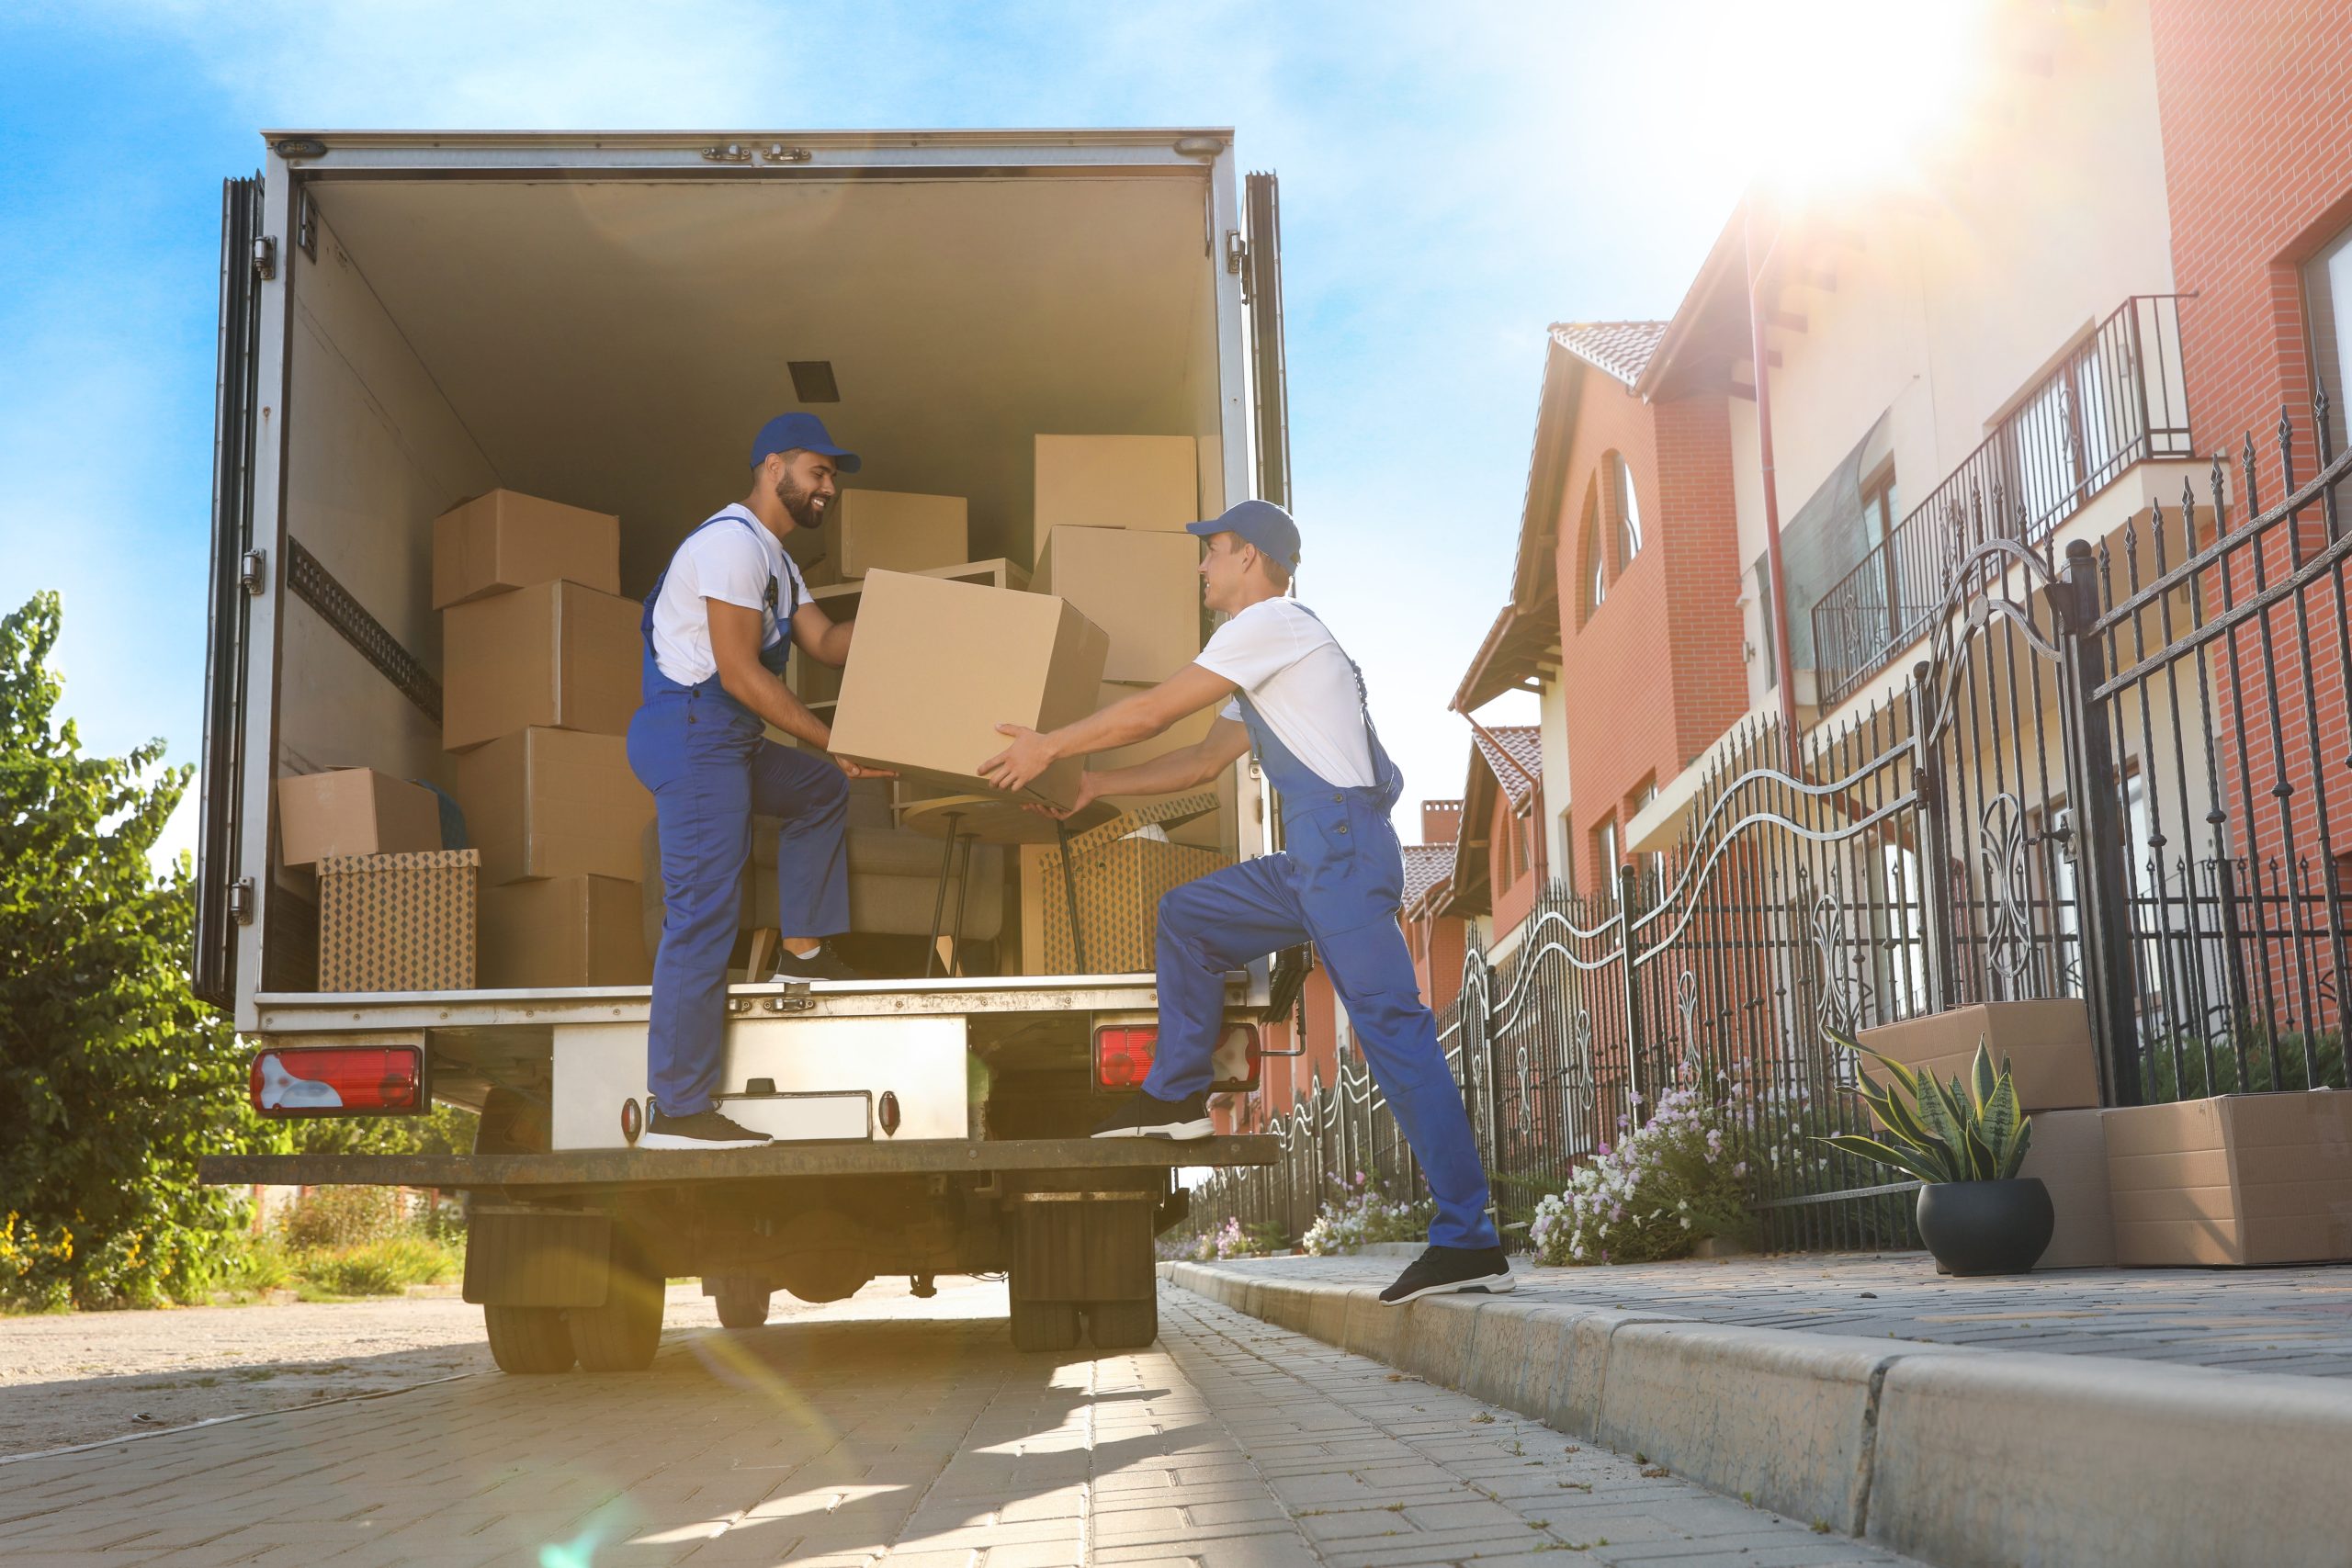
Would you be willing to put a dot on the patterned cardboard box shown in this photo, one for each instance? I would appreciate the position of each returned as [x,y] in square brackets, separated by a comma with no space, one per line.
[397,922]
[1119,881]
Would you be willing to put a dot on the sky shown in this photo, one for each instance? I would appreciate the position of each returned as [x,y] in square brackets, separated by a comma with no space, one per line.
[1454,179]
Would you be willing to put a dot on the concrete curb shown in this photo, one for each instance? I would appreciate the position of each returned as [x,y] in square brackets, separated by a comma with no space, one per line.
[1958,1456]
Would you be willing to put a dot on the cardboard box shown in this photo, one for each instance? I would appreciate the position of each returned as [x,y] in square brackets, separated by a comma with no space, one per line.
[936,666]
[881,530]
[545,803]
[2069,1153]
[565,931]
[2048,1045]
[555,654]
[353,811]
[1119,880]
[1114,481]
[397,922]
[2242,1178]
[1143,589]
[506,539]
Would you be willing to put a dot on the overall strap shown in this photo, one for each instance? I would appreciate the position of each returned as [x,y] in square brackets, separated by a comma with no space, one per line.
[1363,698]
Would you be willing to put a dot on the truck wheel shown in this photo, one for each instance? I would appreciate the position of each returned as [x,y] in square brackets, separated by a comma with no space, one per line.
[1044,1325]
[622,1335]
[1124,1326]
[743,1305]
[528,1339]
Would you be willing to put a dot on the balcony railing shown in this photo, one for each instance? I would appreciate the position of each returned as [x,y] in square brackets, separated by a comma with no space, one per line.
[2119,398]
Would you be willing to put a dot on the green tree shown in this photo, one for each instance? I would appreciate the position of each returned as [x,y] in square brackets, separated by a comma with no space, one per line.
[113,1076]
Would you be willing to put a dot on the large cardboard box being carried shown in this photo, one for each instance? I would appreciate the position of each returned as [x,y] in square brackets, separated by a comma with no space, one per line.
[2241,1179]
[882,530]
[554,654]
[397,922]
[1119,872]
[1143,589]
[565,931]
[553,803]
[506,539]
[2069,1153]
[2048,1045]
[353,811]
[936,666]
[1115,481]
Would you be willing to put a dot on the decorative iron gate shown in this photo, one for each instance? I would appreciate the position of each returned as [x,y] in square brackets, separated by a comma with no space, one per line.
[2017,823]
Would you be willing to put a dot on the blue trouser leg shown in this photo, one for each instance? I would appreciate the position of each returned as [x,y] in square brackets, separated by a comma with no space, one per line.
[810,795]
[1243,912]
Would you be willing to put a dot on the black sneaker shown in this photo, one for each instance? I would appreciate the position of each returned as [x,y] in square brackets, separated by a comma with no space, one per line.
[703,1130]
[1141,1115]
[1469,1270]
[822,965]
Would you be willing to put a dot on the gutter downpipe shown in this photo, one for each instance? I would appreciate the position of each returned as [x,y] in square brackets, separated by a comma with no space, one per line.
[1784,672]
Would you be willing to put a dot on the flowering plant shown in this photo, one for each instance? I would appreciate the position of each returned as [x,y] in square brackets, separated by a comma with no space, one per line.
[1232,1239]
[1361,1214]
[1669,1185]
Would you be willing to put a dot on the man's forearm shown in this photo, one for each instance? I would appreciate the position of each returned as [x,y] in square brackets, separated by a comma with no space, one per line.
[773,701]
[1166,775]
[1124,723]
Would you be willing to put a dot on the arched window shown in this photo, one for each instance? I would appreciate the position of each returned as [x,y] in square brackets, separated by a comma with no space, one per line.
[1629,515]
[1596,564]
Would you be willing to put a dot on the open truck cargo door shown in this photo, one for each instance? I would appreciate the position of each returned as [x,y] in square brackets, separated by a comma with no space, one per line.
[1263,280]
[224,898]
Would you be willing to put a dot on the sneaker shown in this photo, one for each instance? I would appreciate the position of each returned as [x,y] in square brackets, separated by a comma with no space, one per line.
[822,965]
[1469,1270]
[703,1130]
[1141,1115]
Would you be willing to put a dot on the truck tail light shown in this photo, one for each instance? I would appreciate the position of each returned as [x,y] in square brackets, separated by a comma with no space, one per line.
[1123,1055]
[1234,1064]
[339,1080]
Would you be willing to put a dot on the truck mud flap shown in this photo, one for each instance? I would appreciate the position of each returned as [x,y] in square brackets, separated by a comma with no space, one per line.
[1083,1246]
[529,1257]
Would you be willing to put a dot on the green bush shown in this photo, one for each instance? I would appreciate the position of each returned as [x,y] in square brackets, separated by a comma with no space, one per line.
[335,1217]
[382,1267]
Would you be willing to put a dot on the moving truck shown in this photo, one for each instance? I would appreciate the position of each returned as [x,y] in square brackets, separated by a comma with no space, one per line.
[409,320]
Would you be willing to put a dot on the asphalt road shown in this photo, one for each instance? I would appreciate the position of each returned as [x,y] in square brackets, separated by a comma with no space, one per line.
[881,1430]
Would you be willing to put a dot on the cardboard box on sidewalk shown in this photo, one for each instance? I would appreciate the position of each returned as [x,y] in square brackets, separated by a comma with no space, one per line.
[353,811]
[555,654]
[2240,1178]
[564,931]
[543,803]
[2048,1045]
[936,666]
[882,530]
[402,922]
[505,539]
[1143,589]
[1115,481]
[1119,879]
[2069,1153]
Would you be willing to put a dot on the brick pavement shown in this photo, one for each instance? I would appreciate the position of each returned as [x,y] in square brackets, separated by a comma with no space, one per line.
[2255,1320]
[905,1432]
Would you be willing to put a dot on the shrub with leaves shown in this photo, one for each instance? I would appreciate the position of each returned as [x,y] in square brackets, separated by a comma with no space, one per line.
[113,1076]
[1674,1181]
[1940,1132]
[1363,1213]
[1233,1239]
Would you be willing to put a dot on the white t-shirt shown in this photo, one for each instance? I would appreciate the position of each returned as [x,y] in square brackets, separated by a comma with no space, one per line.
[1301,683]
[732,562]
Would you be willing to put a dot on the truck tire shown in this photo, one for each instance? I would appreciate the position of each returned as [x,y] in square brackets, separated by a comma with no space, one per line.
[1124,1326]
[528,1339]
[743,1305]
[1044,1325]
[622,1335]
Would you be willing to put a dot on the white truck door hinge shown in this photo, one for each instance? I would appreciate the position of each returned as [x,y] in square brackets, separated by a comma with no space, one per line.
[253,572]
[1237,251]
[266,257]
[241,901]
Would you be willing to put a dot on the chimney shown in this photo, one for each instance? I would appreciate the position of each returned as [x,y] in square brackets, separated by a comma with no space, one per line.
[1441,821]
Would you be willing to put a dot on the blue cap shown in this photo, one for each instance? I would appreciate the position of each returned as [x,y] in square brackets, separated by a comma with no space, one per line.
[800,433]
[1259,523]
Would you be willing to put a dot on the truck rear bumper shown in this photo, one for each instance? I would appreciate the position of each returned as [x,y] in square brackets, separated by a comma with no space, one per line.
[548,1173]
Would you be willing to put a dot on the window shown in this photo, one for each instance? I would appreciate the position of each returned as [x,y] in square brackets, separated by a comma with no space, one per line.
[2327,317]
[1629,515]
[1597,588]
[1765,624]
[1880,512]
[1565,872]
[1604,855]
[1523,829]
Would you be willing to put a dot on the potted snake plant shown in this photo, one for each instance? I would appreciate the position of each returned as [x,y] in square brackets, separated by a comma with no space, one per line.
[1965,1142]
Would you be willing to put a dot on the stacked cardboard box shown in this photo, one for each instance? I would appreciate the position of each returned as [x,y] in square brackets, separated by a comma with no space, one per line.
[353,811]
[397,922]
[1118,873]
[542,668]
[1114,481]
[1142,587]
[2241,1179]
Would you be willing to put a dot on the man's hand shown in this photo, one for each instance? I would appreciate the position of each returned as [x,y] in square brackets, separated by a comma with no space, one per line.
[1089,791]
[1018,764]
[862,769]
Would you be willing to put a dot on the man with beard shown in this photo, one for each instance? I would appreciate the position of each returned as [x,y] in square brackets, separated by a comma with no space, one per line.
[719,627]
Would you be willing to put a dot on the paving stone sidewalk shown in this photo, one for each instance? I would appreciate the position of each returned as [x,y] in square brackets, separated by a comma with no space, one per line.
[2254,1320]
[907,1433]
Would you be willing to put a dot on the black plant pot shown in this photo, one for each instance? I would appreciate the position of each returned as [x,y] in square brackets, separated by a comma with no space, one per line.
[1987,1227]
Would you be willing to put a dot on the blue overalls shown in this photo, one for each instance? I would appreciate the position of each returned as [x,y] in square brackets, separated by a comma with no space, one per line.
[1338,882]
[706,759]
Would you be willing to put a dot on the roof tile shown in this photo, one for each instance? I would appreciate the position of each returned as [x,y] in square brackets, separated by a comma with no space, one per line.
[1622,349]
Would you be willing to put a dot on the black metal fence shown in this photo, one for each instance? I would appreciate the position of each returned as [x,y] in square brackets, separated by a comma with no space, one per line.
[2109,779]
